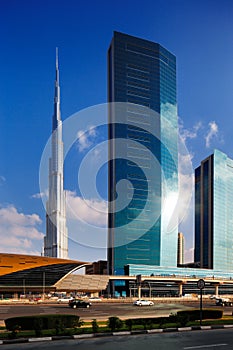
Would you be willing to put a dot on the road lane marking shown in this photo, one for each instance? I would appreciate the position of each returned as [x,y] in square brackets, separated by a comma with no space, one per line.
[204,346]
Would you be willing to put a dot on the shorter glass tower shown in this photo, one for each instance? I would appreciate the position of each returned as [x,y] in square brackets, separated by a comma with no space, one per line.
[214,213]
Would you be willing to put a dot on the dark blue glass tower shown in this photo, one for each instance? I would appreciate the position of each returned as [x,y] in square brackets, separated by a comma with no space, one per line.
[213,213]
[143,151]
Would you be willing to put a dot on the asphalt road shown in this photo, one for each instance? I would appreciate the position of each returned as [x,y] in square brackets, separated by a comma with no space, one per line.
[194,340]
[100,310]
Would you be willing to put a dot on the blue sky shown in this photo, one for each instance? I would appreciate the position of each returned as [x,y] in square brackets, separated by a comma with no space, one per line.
[198,32]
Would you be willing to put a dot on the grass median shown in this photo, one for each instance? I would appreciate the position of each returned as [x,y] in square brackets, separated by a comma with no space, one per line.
[114,324]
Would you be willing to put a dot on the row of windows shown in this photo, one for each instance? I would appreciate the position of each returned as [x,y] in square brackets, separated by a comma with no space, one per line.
[137,147]
[168,92]
[140,77]
[138,138]
[135,229]
[142,49]
[139,151]
[138,111]
[166,71]
[137,85]
[136,101]
[138,248]
[139,198]
[137,176]
[138,94]
[166,86]
[138,119]
[139,156]
[143,165]
[140,53]
[137,68]
[141,217]
[137,129]
[139,160]
[139,189]
[145,211]
[136,51]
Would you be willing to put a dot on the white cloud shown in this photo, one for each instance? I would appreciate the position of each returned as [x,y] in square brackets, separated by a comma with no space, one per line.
[2,180]
[85,139]
[91,211]
[18,231]
[10,215]
[212,132]
[189,255]
[186,183]
[186,134]
[198,131]
[39,195]
[87,221]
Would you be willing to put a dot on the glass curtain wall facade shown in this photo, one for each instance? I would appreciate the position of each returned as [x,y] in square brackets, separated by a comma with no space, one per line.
[143,75]
[214,213]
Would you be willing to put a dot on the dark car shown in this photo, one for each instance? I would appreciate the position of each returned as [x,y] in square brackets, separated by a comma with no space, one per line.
[78,303]
[223,302]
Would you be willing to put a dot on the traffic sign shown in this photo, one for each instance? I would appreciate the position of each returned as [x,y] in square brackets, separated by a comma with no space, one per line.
[201,284]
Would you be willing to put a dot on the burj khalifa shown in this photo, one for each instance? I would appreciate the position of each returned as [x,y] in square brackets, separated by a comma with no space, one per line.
[56,239]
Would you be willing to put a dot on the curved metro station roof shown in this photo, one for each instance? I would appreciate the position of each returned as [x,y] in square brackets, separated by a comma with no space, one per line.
[18,270]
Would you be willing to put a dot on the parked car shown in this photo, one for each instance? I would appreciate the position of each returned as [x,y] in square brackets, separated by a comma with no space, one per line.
[64,300]
[223,302]
[142,302]
[75,303]
[214,296]
[38,299]
[95,299]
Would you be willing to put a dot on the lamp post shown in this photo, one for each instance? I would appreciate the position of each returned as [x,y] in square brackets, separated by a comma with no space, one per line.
[24,288]
[139,280]
[43,292]
[201,286]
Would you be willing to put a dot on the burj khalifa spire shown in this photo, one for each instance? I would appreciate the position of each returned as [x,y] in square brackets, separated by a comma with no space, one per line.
[56,239]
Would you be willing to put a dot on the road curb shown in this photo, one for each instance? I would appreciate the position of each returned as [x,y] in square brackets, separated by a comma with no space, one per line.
[205,327]
[108,334]
[122,333]
[151,331]
[15,341]
[40,339]
[217,326]
[167,330]
[83,336]
[184,329]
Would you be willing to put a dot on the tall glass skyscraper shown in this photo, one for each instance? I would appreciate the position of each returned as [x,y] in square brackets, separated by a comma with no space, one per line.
[214,212]
[56,239]
[142,151]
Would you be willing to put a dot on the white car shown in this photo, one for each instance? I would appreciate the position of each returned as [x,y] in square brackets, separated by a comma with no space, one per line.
[64,300]
[142,302]
[214,297]
[95,299]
